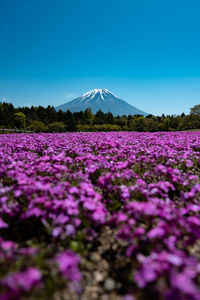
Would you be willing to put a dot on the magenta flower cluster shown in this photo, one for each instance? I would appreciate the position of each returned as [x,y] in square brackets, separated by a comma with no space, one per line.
[59,193]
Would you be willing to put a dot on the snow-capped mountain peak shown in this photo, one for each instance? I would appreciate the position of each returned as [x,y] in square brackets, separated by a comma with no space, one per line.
[100,99]
[98,93]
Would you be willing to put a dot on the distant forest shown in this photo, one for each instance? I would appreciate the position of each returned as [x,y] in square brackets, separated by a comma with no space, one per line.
[40,119]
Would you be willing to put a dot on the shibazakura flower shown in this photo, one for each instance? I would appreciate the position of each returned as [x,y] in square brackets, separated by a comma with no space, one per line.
[134,197]
[22,281]
[68,263]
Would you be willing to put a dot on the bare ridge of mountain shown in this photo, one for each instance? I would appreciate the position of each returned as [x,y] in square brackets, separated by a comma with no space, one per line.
[100,99]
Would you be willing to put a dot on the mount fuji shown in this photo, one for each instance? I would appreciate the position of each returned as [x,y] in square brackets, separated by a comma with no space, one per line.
[101,99]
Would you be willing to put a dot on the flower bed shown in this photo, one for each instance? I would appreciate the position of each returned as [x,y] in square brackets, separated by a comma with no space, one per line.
[100,216]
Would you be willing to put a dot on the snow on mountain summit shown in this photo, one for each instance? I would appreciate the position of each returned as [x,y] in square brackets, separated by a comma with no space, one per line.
[100,93]
[101,99]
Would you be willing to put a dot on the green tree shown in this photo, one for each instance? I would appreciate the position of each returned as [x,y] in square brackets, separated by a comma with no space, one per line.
[20,120]
[99,118]
[139,124]
[88,117]
[167,123]
[189,122]
[109,118]
[38,126]
[121,121]
[132,125]
[149,124]
[57,126]
[7,117]
[51,114]
[70,121]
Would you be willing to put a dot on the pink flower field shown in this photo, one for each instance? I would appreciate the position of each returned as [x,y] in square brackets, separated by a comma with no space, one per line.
[100,216]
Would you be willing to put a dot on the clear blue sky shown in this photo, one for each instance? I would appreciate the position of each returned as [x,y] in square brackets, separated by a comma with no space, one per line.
[145,51]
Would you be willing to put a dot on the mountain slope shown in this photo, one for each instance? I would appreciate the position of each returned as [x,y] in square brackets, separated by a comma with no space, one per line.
[100,99]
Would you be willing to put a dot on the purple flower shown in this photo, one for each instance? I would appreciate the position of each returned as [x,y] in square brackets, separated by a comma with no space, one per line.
[24,280]
[3,224]
[140,188]
[128,297]
[68,263]
[56,231]
[156,233]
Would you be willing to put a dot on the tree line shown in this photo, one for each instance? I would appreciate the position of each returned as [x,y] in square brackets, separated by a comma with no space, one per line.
[41,119]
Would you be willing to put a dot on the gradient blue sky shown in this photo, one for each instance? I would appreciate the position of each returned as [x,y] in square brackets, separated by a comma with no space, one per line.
[147,52]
